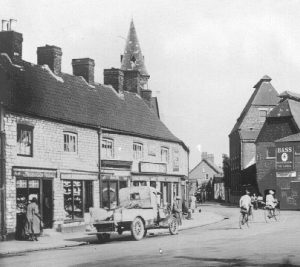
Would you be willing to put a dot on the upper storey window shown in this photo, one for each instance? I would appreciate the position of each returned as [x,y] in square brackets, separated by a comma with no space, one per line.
[25,140]
[164,152]
[70,142]
[107,148]
[138,151]
[263,114]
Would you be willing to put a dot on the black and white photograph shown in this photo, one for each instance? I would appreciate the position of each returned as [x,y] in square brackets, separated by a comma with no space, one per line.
[149,133]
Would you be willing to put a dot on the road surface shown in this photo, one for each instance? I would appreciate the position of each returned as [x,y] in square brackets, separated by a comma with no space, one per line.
[220,244]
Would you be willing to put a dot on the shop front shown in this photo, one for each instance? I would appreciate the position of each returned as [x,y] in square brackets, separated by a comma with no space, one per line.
[32,183]
[115,175]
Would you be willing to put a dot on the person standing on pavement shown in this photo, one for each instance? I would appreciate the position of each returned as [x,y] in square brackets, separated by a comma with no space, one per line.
[193,203]
[33,220]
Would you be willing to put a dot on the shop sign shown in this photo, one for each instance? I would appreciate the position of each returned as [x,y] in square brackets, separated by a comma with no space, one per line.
[285,158]
[153,167]
[286,174]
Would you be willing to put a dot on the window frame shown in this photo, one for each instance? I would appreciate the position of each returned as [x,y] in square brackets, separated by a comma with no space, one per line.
[105,155]
[137,154]
[265,111]
[28,128]
[70,134]
[164,149]
[267,152]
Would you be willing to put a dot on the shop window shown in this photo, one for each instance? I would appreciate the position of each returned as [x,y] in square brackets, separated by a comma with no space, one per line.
[25,140]
[70,142]
[153,184]
[26,190]
[110,190]
[107,148]
[164,152]
[138,151]
[270,152]
[74,194]
[139,183]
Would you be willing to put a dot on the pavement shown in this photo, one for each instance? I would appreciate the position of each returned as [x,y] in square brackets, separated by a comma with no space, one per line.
[54,240]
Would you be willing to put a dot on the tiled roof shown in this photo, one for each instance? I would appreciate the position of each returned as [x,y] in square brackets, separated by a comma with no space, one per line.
[263,95]
[290,138]
[133,58]
[69,98]
[248,134]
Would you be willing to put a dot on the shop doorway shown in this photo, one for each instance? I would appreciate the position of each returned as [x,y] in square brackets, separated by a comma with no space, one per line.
[40,189]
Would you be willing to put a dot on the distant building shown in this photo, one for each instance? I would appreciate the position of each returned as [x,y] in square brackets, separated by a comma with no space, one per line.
[243,135]
[203,173]
[281,125]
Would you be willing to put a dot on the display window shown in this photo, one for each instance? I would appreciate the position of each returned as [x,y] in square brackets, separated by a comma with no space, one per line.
[78,198]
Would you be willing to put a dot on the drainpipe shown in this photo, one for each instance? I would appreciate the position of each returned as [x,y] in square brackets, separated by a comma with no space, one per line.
[3,230]
[99,163]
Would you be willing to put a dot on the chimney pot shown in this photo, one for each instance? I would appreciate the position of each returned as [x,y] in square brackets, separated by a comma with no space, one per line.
[11,43]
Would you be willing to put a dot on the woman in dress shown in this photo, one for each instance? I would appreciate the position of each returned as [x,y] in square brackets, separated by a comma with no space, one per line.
[33,220]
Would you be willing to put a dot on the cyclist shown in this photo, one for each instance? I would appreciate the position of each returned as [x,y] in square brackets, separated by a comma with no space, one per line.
[245,203]
[271,203]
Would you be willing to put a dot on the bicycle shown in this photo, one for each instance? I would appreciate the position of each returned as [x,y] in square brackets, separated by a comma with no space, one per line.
[244,218]
[271,213]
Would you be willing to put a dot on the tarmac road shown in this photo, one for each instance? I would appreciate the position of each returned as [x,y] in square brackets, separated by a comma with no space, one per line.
[220,244]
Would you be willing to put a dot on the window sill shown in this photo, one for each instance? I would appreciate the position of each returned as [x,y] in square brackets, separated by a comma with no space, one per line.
[24,155]
[270,157]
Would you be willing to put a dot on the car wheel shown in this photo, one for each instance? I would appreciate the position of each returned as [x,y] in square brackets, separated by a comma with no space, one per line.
[173,226]
[137,229]
[102,238]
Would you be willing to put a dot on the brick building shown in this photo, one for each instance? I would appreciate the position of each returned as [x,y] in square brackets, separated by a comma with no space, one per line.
[243,135]
[72,142]
[282,121]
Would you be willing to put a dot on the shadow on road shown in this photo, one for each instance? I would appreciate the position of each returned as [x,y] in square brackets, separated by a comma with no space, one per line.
[236,262]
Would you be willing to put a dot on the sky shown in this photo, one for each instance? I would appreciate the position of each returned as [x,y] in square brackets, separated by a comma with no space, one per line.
[203,57]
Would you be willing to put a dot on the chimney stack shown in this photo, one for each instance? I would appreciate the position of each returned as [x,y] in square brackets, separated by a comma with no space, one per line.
[11,41]
[115,78]
[146,94]
[132,81]
[84,67]
[51,56]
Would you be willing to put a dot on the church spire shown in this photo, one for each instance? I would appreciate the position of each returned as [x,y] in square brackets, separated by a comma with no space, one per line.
[133,58]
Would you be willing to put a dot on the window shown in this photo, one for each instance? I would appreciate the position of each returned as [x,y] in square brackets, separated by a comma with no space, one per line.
[206,175]
[153,184]
[107,148]
[164,152]
[203,169]
[70,142]
[262,114]
[25,140]
[78,198]
[270,152]
[139,183]
[138,151]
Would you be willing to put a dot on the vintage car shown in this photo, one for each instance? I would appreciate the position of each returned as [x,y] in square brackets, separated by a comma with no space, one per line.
[139,210]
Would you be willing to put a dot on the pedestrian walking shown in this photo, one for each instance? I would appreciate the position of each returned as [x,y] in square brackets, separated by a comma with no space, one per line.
[33,225]
[177,210]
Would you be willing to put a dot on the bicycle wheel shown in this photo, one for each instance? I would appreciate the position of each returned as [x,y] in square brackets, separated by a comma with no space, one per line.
[267,215]
[277,214]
